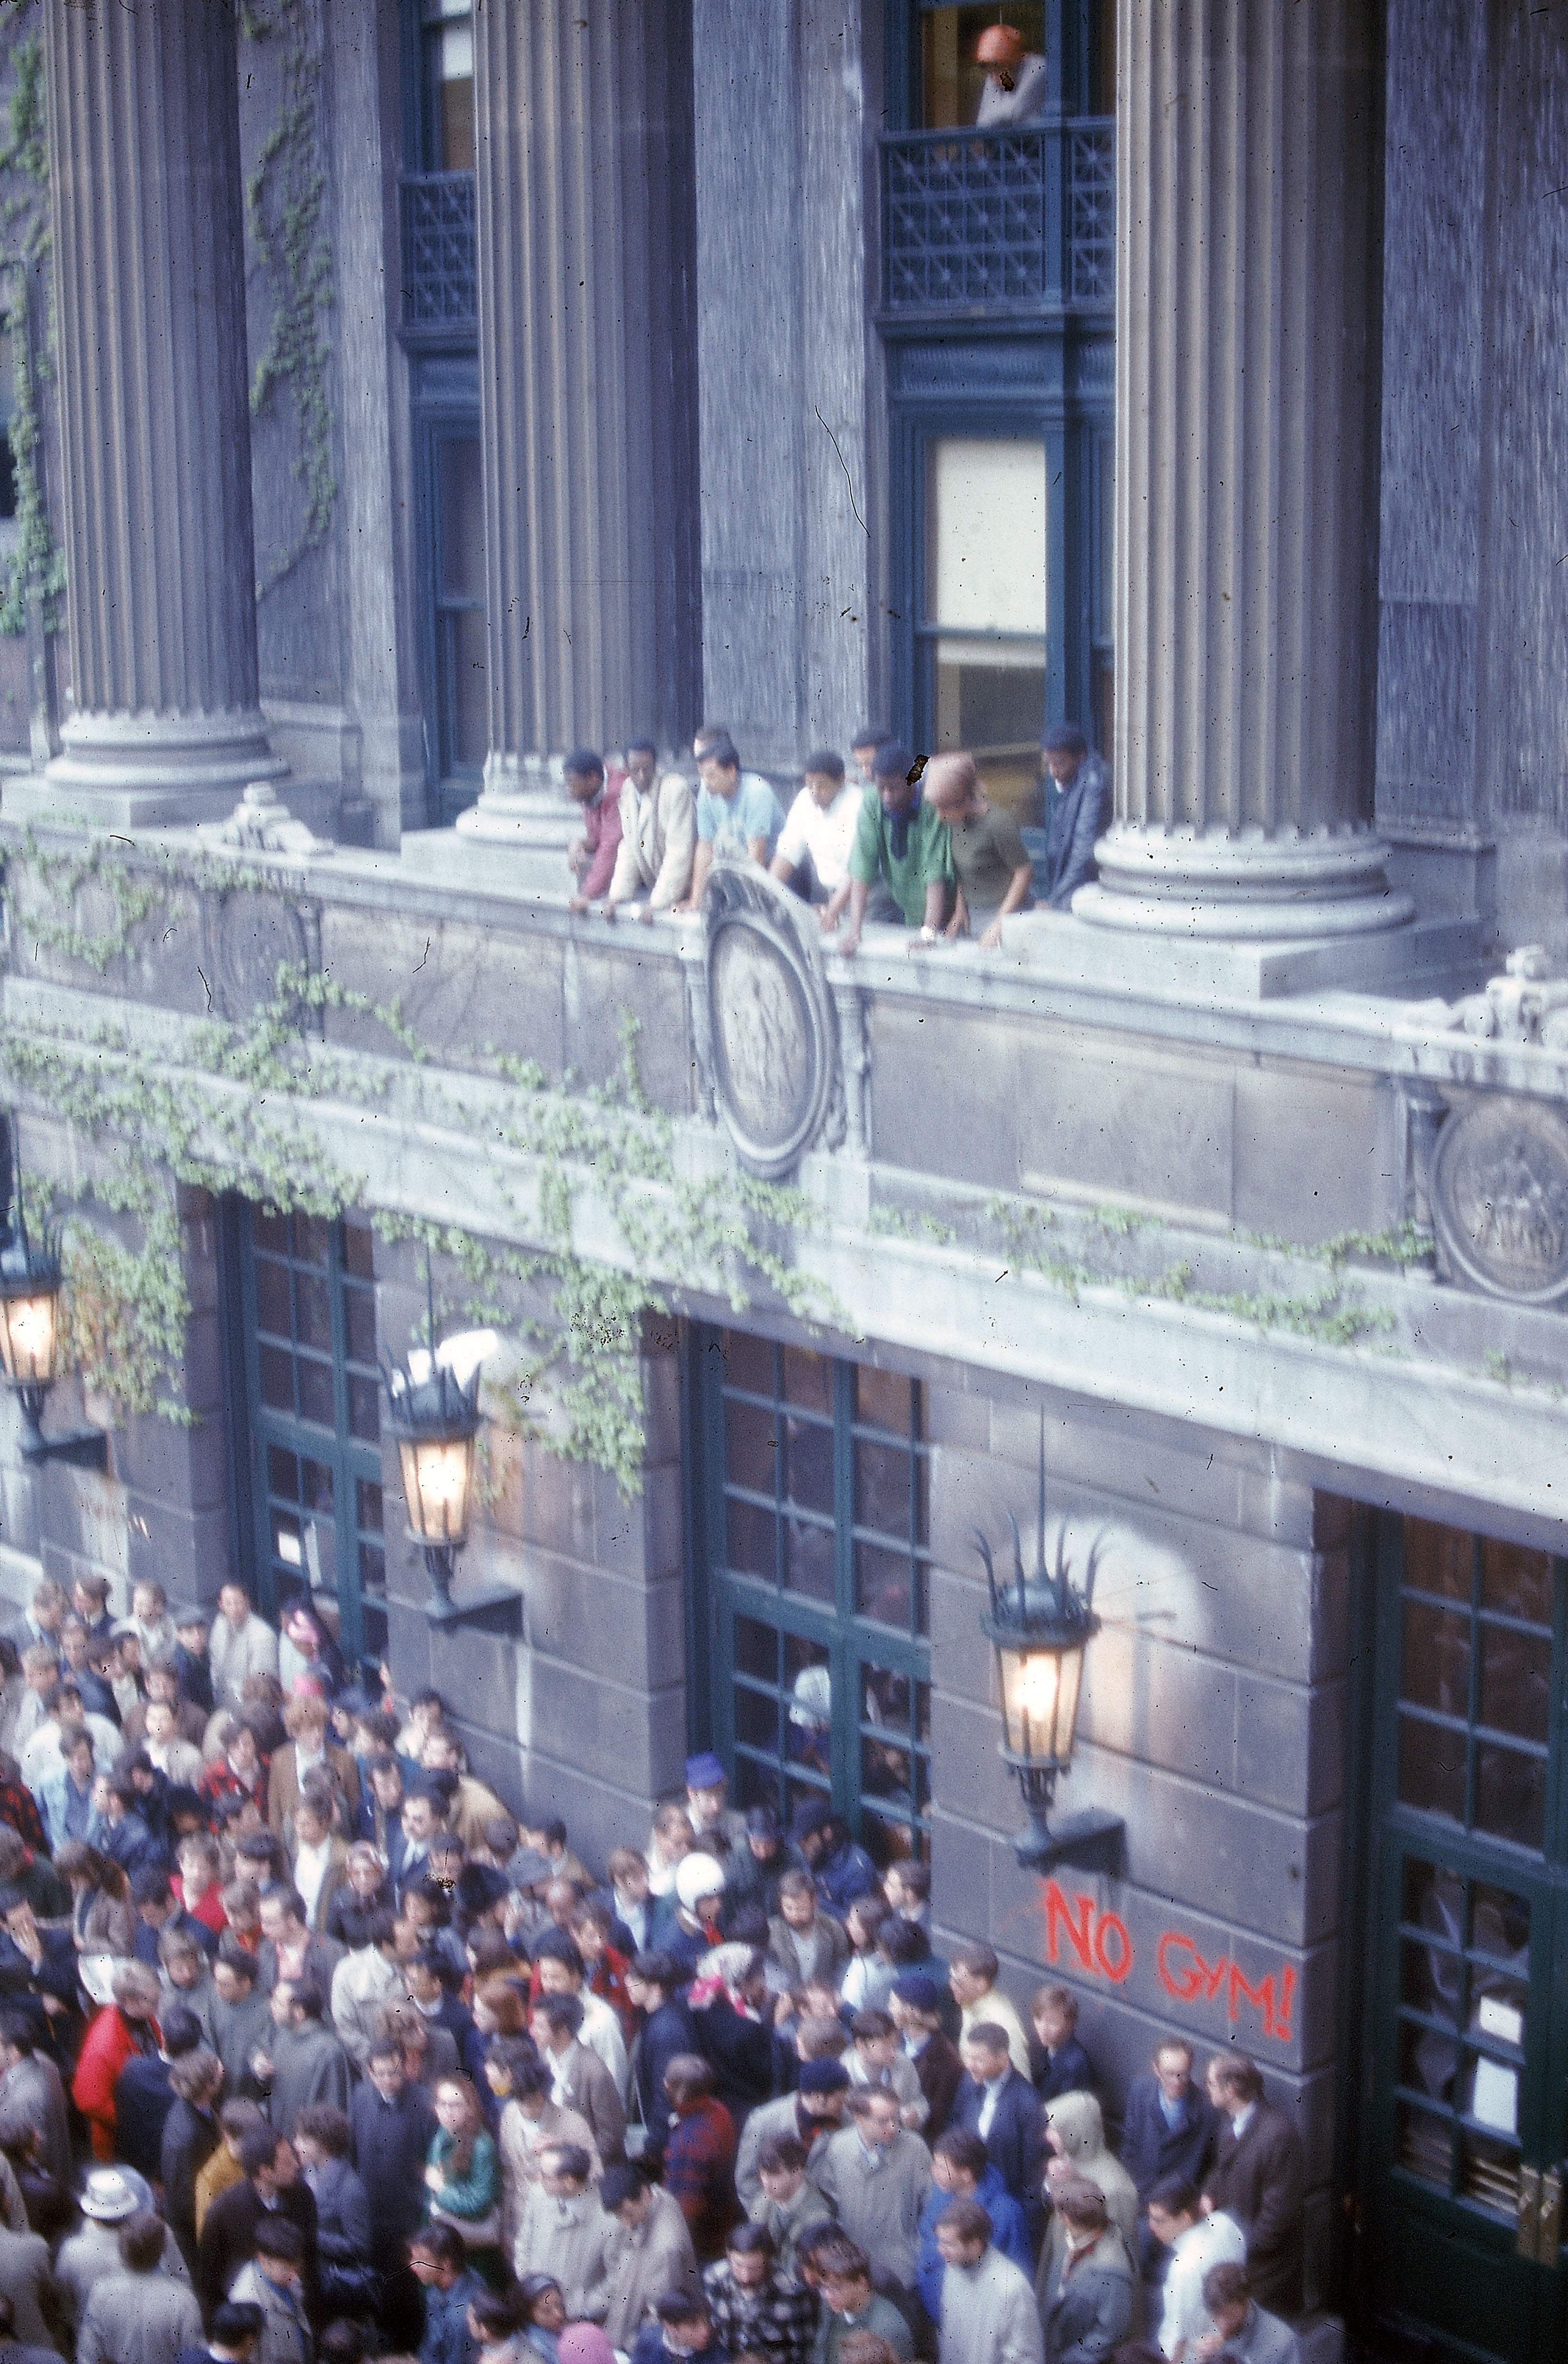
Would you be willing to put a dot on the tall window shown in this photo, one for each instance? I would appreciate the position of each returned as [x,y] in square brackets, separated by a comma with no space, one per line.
[445,65]
[314,1396]
[984,626]
[815,1565]
[457,523]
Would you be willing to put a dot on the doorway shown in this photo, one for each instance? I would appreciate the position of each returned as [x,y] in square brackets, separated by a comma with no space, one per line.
[1467,1975]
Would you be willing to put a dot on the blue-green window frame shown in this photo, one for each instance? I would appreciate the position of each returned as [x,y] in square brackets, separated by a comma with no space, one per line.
[263,1431]
[729,1692]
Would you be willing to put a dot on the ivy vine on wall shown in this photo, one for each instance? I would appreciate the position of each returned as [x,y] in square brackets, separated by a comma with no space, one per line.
[35,569]
[283,194]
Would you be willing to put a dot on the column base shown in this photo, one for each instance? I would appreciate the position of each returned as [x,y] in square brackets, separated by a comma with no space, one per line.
[149,771]
[513,841]
[1248,889]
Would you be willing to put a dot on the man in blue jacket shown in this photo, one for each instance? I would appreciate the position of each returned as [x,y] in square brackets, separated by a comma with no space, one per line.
[1169,2128]
[1078,815]
[961,2170]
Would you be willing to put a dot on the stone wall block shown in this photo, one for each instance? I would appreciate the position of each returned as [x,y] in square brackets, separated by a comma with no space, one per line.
[1160,1703]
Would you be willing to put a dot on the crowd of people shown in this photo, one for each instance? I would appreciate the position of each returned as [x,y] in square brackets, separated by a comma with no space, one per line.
[311,2049]
[894,840]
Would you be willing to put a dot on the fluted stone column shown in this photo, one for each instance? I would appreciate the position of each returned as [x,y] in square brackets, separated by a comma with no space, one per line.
[587,385]
[1247,441]
[144,157]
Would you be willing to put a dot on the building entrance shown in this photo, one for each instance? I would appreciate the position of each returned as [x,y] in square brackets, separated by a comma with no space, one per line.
[1468,2134]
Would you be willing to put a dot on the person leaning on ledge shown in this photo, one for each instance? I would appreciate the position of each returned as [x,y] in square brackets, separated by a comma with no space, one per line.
[658,837]
[901,871]
[995,875]
[1077,815]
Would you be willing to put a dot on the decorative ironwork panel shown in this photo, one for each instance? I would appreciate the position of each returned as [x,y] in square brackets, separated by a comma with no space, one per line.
[980,221]
[438,250]
[1091,220]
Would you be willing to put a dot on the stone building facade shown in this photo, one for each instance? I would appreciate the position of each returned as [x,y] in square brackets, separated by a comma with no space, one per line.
[646,351]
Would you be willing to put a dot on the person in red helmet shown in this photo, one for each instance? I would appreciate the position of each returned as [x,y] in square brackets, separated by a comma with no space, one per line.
[1015,79]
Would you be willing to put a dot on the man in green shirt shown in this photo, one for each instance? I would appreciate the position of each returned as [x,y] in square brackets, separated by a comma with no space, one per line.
[995,874]
[901,850]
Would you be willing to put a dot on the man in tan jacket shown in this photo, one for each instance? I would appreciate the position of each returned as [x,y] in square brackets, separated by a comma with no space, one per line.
[650,2252]
[658,837]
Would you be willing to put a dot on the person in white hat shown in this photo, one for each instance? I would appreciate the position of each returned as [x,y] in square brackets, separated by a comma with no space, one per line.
[108,2196]
[699,1900]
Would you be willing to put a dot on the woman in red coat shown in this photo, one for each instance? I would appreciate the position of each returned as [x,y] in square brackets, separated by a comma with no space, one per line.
[124,2027]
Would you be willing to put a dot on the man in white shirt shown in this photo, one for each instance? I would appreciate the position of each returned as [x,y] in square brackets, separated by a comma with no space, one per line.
[44,1756]
[813,851]
[1196,2243]
[176,1759]
[561,1971]
[1015,85]
[240,1644]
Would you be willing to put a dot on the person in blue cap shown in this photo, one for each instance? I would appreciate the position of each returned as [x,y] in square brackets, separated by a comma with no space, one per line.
[720,1830]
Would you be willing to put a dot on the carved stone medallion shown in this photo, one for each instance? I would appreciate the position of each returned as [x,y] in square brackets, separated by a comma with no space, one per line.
[249,936]
[1500,1197]
[772,1041]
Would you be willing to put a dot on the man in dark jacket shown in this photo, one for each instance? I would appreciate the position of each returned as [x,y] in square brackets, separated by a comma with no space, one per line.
[1003,2107]
[269,2185]
[841,1869]
[143,2094]
[191,2134]
[1259,2177]
[655,1984]
[1079,813]
[738,2048]
[1168,2129]
[1059,2062]
[391,2123]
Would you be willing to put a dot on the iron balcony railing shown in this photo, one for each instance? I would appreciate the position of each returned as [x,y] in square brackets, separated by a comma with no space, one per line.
[1000,221]
[439,279]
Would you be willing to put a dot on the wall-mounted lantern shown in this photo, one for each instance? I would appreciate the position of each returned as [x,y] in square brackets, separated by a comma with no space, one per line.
[1040,1627]
[434,1416]
[31,1284]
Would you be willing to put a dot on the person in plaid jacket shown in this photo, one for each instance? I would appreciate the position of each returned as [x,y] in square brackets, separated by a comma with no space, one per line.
[755,2308]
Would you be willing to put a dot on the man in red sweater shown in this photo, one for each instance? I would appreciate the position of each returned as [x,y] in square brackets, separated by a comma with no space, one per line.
[699,2158]
[123,2028]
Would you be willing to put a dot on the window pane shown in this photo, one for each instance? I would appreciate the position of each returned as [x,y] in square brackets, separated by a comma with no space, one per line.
[461,494]
[310,1236]
[985,535]
[1431,1768]
[881,1399]
[811,1560]
[756,1720]
[359,1310]
[454,71]
[364,1409]
[747,1363]
[881,1585]
[990,698]
[809,1379]
[373,1570]
[313,1307]
[751,1450]
[810,1686]
[809,1468]
[272,1298]
[1437,1559]
[1434,1669]
[316,1392]
[1517,1583]
[1425,2145]
[368,1505]
[277,1378]
[359,1250]
[269,1232]
[1510,1795]
[750,1535]
[1515,1681]
[756,1648]
[318,1486]
[467,657]
[882,1487]
[282,1473]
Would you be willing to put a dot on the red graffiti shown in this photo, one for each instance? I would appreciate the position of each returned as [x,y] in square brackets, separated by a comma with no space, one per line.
[1185,1974]
[1100,1946]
